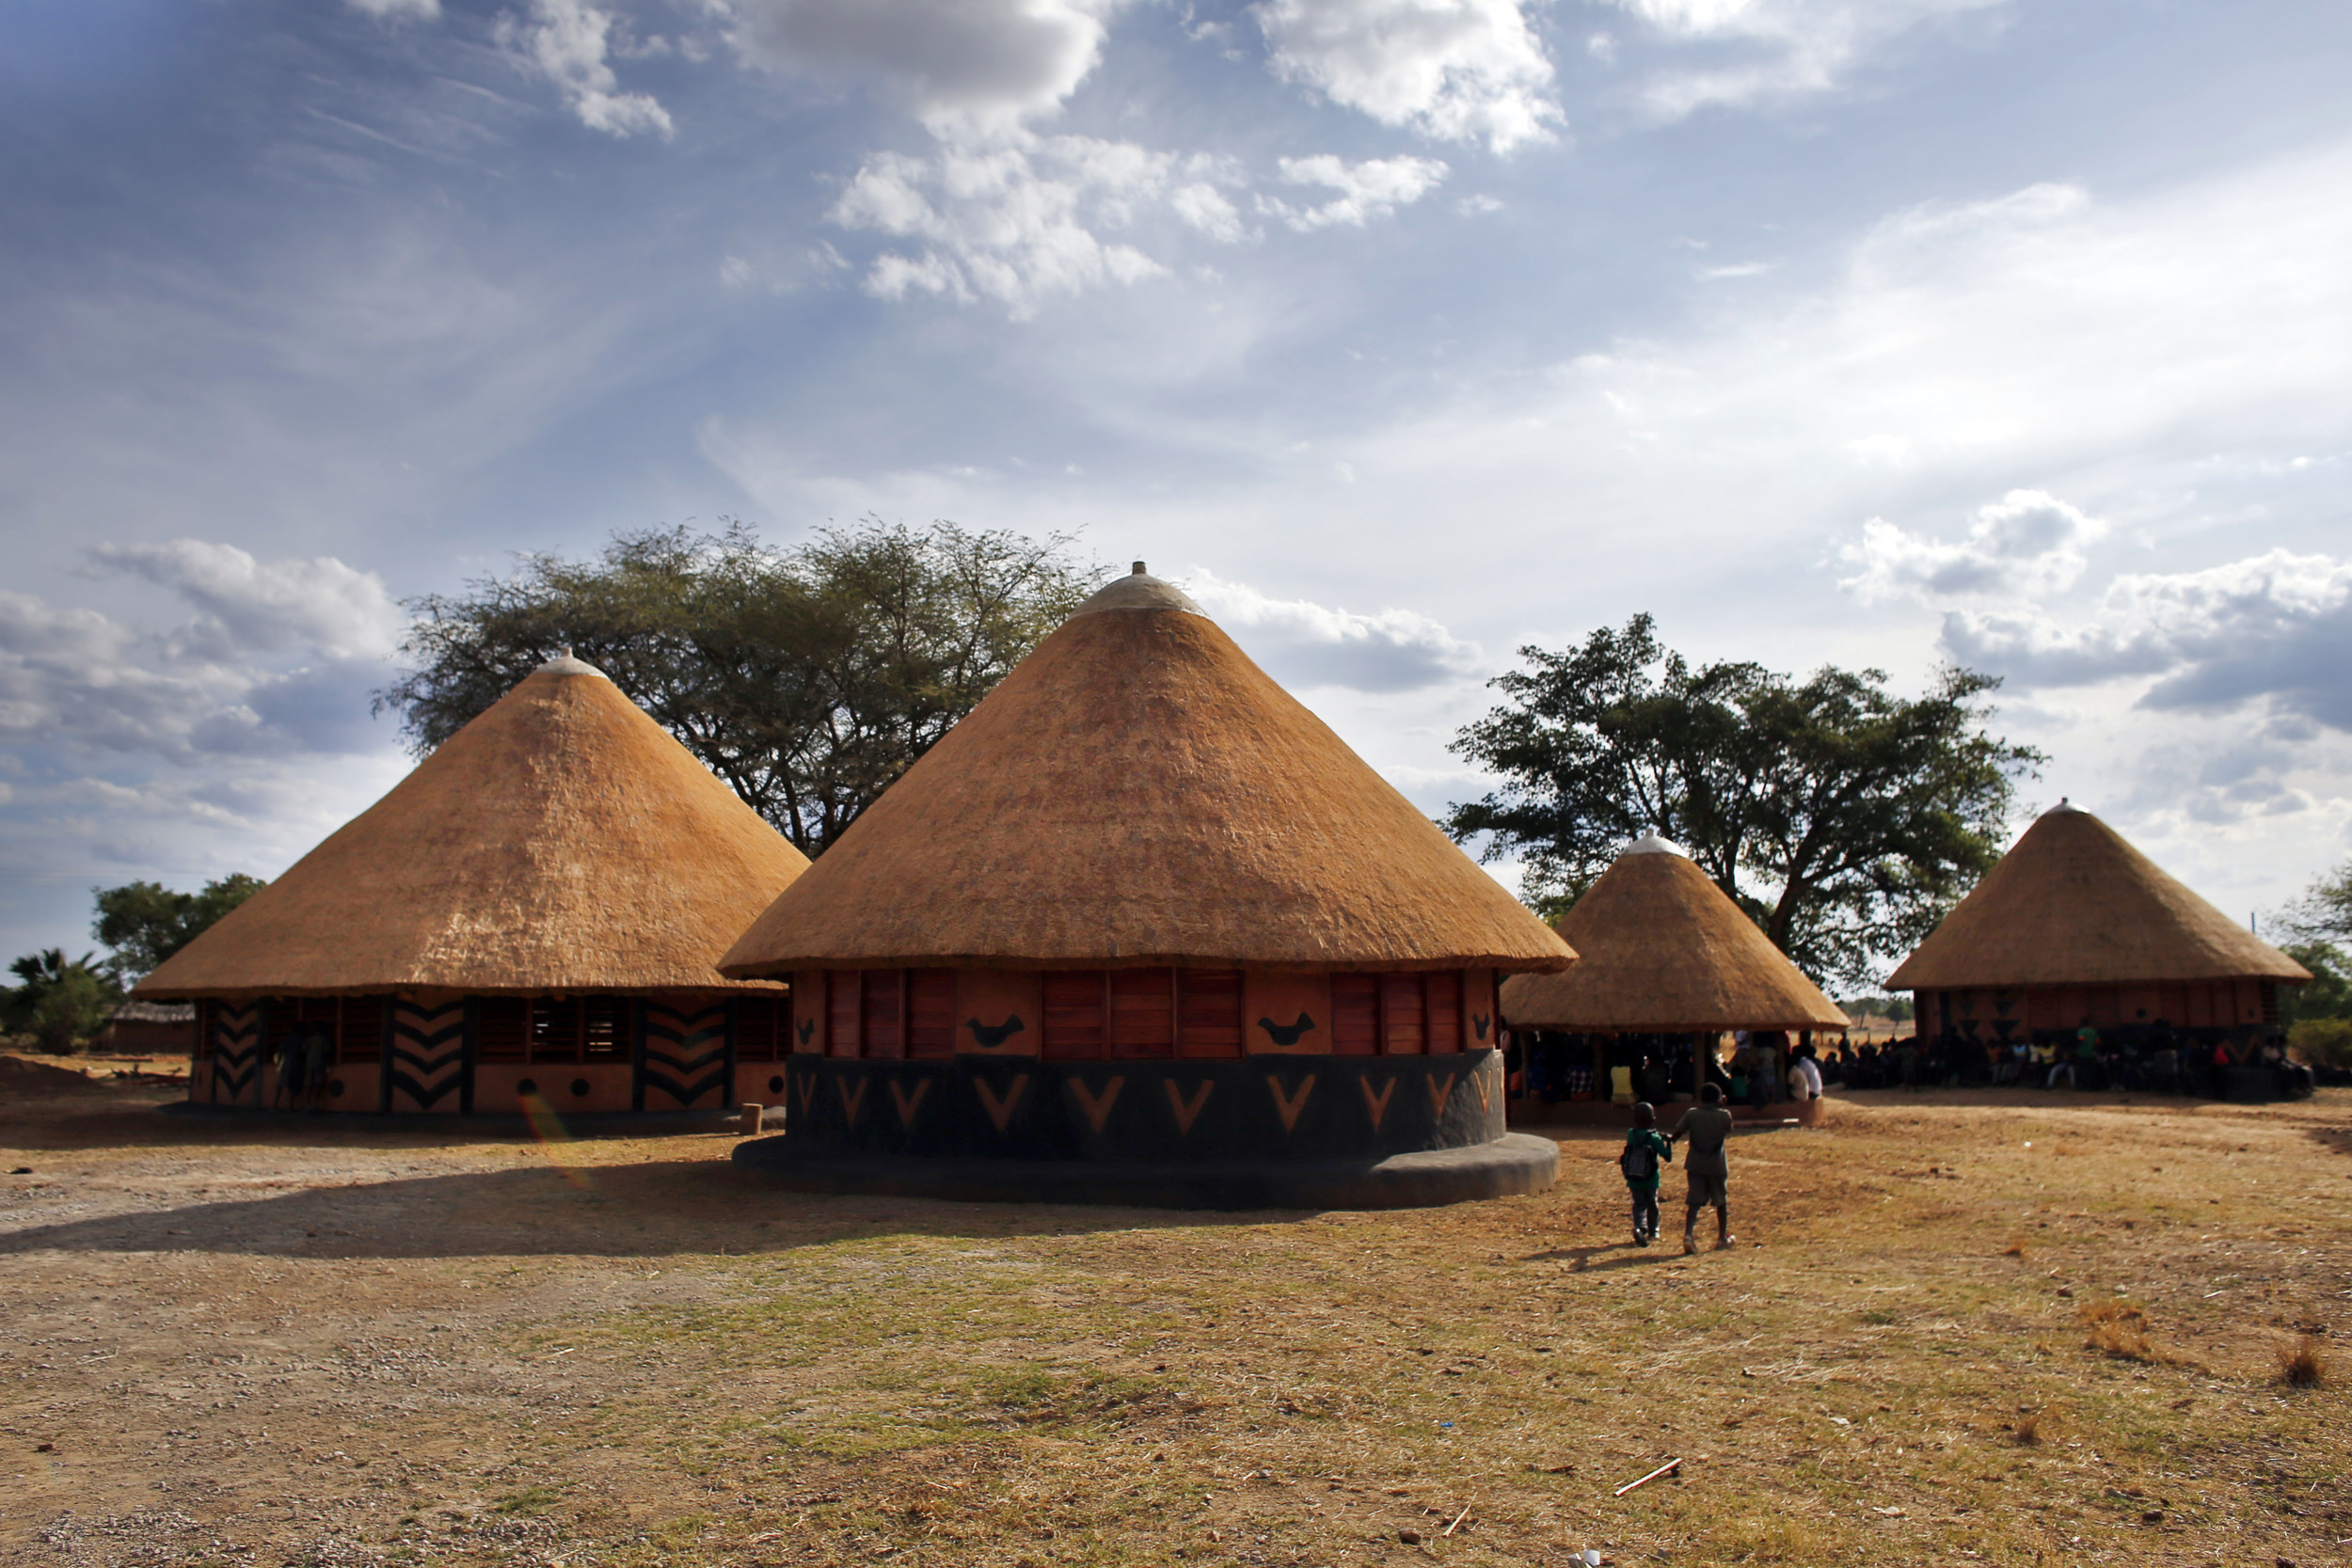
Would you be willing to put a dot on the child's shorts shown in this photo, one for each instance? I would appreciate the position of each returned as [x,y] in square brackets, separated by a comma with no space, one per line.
[1706,1189]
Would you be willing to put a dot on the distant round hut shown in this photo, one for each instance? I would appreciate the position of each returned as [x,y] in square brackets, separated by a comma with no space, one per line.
[1143,929]
[534,911]
[1666,964]
[2073,926]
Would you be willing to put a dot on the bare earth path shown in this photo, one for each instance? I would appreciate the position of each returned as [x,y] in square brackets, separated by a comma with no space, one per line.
[274,1345]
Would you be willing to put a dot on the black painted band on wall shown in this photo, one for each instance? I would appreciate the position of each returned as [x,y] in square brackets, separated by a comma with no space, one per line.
[1281,1107]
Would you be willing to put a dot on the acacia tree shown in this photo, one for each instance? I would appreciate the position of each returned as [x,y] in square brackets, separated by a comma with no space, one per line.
[808,679]
[146,923]
[1845,819]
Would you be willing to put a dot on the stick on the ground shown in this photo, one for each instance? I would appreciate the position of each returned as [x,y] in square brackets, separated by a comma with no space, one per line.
[1457,1519]
[1667,1468]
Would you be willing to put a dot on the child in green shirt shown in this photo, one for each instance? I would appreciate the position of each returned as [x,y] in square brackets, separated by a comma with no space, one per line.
[1645,1157]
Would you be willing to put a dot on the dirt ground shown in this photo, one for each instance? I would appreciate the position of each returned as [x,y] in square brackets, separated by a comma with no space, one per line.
[292,1344]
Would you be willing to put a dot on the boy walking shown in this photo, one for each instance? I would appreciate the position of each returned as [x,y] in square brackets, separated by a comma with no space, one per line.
[1642,1162]
[1706,1127]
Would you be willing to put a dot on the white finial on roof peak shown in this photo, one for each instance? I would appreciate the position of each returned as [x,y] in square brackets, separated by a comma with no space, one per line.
[565,664]
[1654,844]
[1137,590]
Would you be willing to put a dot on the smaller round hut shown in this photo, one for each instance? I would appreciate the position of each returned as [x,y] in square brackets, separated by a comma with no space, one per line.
[532,917]
[2074,927]
[1141,929]
[1666,965]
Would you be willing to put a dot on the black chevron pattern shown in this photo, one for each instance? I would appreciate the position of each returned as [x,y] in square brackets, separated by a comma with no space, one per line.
[428,1061]
[236,1053]
[684,1055]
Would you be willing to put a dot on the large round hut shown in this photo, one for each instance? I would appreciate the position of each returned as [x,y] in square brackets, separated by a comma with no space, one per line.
[1666,965]
[2073,926]
[1143,929]
[533,915]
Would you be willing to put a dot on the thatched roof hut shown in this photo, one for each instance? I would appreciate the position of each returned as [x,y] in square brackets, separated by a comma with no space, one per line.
[1662,950]
[2071,904]
[1143,929]
[1138,793]
[563,841]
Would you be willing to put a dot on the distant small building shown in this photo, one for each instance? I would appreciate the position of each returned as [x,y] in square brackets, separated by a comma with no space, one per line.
[1666,964]
[533,914]
[1143,929]
[2075,926]
[151,1029]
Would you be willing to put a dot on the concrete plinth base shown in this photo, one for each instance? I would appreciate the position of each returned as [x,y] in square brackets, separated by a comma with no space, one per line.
[1515,1163]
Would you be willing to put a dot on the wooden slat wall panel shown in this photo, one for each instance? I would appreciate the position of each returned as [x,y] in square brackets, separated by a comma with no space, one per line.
[1073,1014]
[1143,1013]
[1403,1022]
[1208,1012]
[1443,989]
[1356,1014]
[502,1030]
[841,1013]
[932,1013]
[884,1012]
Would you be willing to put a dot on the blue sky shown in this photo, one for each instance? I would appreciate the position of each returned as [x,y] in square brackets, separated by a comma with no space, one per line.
[1404,331]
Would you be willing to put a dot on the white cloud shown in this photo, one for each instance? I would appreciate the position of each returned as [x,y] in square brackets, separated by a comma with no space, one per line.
[251,606]
[1375,188]
[1455,70]
[2273,630]
[277,659]
[1450,68]
[958,65]
[1017,221]
[422,11]
[1762,50]
[567,43]
[1309,644]
[2027,543]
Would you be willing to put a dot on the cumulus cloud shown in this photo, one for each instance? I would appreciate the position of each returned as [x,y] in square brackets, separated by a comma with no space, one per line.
[569,43]
[278,659]
[420,10]
[958,65]
[1305,643]
[255,606]
[1375,188]
[1017,222]
[2275,631]
[1762,50]
[2027,543]
[1469,71]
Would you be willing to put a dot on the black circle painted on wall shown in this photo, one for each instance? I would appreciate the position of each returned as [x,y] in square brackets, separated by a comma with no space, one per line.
[776,1085]
[335,1087]
[529,1086]
[580,1087]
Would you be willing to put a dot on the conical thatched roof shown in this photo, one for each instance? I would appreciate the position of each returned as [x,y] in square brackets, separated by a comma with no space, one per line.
[2072,904]
[562,841]
[1661,949]
[1138,792]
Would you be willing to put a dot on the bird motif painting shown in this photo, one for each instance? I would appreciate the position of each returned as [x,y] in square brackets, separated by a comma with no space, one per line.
[1286,1034]
[808,1027]
[990,1035]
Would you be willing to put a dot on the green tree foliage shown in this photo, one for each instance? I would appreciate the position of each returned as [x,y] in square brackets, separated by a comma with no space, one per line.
[1897,1009]
[2321,1042]
[60,1002]
[808,679]
[2324,913]
[146,923]
[1844,818]
[2329,994]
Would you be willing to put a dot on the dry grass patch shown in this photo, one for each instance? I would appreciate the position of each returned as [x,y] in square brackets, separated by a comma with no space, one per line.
[2303,1362]
[2118,1330]
[461,1356]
